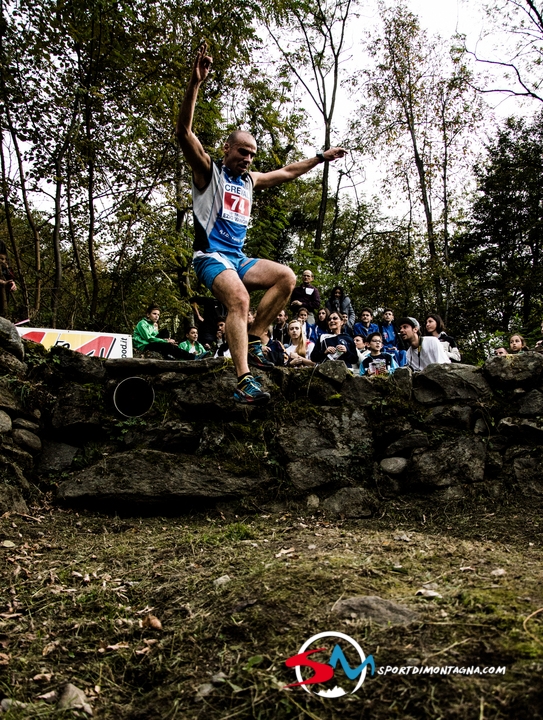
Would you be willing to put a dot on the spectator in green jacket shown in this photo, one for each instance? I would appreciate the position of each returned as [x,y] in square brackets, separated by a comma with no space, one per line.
[191,344]
[146,337]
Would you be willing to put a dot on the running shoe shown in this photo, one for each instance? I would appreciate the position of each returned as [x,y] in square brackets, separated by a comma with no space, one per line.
[249,392]
[257,358]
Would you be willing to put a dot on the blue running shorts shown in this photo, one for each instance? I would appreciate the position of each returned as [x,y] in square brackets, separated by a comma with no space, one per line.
[209,265]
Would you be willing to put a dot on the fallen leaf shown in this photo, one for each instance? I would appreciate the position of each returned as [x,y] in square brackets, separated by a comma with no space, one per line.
[43,676]
[466,568]
[50,647]
[428,593]
[118,646]
[49,697]
[223,580]
[153,622]
[284,551]
[74,698]
[403,537]
[4,659]
[498,572]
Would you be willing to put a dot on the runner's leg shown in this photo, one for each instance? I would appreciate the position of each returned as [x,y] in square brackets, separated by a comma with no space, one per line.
[228,289]
[280,282]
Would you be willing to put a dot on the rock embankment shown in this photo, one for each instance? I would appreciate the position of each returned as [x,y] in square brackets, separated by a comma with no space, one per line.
[338,442]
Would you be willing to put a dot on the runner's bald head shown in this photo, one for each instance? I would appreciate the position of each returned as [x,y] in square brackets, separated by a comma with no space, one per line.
[239,136]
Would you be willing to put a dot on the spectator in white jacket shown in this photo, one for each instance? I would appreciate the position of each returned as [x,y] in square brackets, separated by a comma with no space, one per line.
[422,351]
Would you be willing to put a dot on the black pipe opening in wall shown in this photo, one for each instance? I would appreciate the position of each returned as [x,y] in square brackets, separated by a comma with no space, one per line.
[133,397]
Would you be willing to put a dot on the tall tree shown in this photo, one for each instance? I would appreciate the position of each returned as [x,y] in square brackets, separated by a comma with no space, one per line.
[311,36]
[419,109]
[499,258]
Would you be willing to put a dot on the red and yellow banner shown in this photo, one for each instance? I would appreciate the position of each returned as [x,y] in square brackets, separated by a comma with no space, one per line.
[104,345]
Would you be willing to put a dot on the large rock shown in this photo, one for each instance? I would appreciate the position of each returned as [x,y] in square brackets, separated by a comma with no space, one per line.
[11,500]
[10,365]
[330,447]
[56,457]
[450,383]
[531,404]
[10,339]
[27,440]
[394,465]
[8,401]
[454,462]
[125,367]
[521,429]
[513,371]
[79,367]
[375,609]
[405,444]
[153,477]
[336,371]
[77,415]
[362,391]
[450,416]
[5,422]
[350,502]
[527,473]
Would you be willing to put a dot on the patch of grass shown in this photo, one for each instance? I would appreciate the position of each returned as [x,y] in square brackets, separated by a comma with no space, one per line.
[78,589]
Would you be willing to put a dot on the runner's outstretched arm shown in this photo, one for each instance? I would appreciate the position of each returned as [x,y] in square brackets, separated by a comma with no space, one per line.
[290,172]
[193,150]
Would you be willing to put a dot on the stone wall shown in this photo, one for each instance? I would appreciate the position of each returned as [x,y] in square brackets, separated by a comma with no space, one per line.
[337,442]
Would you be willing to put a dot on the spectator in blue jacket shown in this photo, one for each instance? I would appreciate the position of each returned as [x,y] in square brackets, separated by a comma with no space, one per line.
[366,324]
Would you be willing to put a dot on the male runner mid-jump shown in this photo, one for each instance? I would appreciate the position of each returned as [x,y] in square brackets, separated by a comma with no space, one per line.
[222,198]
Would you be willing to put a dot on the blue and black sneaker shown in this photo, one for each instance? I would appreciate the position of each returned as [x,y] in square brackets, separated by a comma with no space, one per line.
[256,356]
[249,392]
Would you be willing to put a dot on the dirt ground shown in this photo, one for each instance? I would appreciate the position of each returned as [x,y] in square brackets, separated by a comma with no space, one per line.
[127,610]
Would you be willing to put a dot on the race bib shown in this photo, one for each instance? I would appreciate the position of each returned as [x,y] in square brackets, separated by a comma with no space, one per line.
[236,204]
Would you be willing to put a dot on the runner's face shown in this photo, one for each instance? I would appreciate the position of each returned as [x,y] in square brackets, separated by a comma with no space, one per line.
[239,156]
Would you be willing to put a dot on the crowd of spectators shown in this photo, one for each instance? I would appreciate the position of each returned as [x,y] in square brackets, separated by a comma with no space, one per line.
[311,331]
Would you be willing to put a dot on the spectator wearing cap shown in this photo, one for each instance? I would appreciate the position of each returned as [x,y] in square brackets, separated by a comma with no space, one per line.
[422,351]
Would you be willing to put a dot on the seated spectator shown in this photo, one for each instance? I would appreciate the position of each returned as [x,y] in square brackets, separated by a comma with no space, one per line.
[146,337]
[341,303]
[335,345]
[423,351]
[280,329]
[435,326]
[517,344]
[220,337]
[321,326]
[361,350]
[207,311]
[191,344]
[500,352]
[377,362]
[300,347]
[273,350]
[366,324]
[307,328]
[345,324]
[392,342]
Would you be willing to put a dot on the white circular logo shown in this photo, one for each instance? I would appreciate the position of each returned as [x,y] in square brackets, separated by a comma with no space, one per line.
[336,691]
